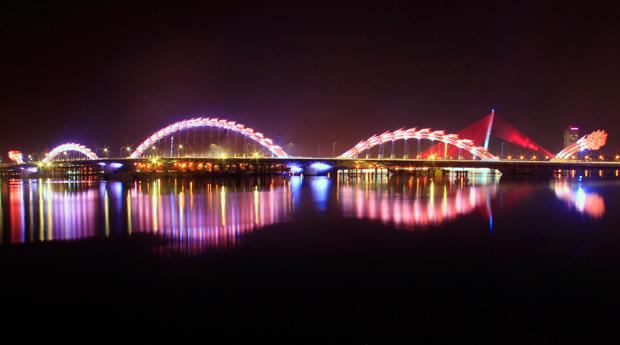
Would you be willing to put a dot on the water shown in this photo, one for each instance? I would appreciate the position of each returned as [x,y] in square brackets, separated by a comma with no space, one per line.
[366,252]
[198,215]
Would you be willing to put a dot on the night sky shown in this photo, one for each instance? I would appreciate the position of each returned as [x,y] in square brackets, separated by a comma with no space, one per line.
[110,74]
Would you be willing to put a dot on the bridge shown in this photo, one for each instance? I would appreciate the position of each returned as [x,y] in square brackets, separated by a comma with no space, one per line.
[233,148]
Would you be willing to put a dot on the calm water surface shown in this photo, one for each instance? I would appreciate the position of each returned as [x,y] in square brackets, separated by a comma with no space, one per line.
[365,258]
[198,215]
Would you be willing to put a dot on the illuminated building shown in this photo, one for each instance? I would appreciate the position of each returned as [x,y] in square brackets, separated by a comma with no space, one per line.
[571,135]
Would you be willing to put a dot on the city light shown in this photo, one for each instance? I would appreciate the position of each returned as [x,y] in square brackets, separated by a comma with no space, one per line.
[209,122]
[321,167]
[16,156]
[592,141]
[69,147]
[413,133]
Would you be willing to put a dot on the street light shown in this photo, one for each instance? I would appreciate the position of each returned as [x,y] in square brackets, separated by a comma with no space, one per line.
[125,147]
[104,150]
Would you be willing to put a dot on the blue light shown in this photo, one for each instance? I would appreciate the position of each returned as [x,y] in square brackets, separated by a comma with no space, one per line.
[102,164]
[320,167]
[33,169]
[296,169]
[116,165]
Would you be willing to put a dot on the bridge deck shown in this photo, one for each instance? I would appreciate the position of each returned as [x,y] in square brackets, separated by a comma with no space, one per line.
[504,166]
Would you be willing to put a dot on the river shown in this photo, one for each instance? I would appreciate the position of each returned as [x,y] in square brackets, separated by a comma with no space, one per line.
[369,251]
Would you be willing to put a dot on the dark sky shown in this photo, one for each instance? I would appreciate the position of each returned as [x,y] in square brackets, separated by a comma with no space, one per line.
[112,73]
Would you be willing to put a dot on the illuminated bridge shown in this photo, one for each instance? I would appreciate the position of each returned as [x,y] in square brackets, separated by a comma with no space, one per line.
[208,146]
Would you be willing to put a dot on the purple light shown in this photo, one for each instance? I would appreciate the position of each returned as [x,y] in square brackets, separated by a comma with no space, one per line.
[574,128]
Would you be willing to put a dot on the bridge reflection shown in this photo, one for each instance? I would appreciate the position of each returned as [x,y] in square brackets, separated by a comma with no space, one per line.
[216,213]
[576,197]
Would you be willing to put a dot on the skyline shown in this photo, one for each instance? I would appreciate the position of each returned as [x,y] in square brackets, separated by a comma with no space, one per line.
[109,75]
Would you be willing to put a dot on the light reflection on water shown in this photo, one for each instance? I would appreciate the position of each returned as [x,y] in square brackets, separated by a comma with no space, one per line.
[409,202]
[589,203]
[200,214]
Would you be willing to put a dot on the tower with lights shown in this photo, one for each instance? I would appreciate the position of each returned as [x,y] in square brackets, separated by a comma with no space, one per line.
[571,135]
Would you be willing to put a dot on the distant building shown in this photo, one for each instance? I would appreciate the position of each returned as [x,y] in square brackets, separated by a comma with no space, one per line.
[571,135]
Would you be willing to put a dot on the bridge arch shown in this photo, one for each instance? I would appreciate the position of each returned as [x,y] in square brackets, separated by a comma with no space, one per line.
[209,122]
[414,133]
[60,149]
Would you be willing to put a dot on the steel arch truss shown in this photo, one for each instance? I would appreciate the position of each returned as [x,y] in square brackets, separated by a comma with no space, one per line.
[413,133]
[209,122]
[69,147]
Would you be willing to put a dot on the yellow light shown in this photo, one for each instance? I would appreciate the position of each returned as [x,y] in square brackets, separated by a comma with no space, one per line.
[223,155]
[255,154]
[509,157]
[600,157]
[521,157]
[432,156]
